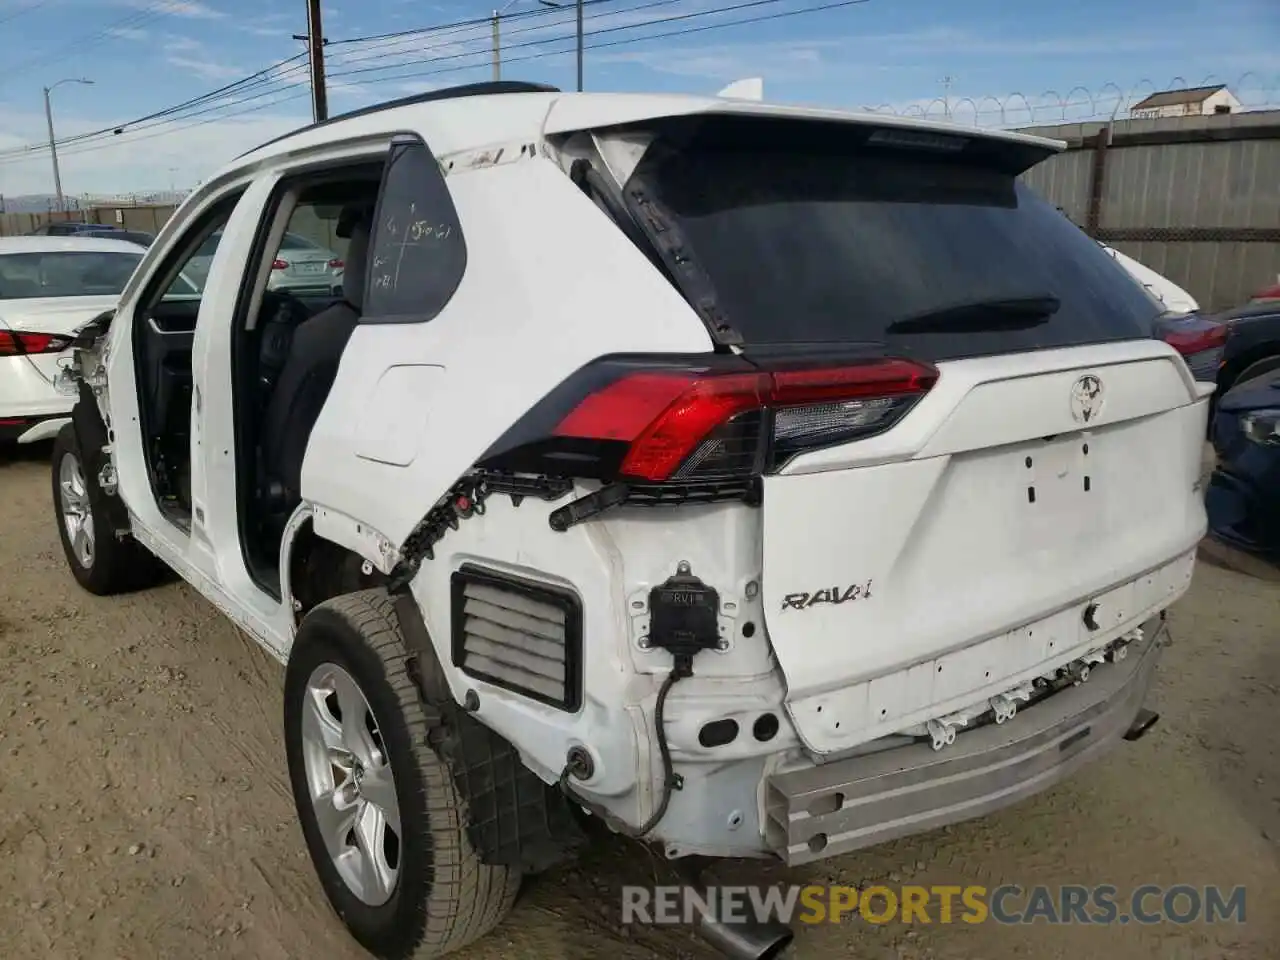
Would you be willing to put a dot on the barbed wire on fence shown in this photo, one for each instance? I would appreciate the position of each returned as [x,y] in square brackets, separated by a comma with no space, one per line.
[1107,101]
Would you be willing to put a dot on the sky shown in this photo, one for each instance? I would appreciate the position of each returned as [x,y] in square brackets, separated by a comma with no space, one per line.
[982,61]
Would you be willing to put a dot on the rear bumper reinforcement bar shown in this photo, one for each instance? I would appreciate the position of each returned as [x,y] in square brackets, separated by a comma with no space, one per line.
[845,805]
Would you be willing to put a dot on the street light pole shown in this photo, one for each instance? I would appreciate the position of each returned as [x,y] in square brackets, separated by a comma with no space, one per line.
[497,40]
[497,46]
[53,144]
[579,15]
[560,5]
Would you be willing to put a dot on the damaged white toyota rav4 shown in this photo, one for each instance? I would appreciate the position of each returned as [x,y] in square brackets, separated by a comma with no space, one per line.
[760,481]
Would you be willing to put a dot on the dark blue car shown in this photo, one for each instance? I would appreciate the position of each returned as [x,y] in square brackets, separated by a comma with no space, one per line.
[1243,500]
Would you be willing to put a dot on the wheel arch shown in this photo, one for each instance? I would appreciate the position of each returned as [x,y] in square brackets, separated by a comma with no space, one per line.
[1265,350]
[315,568]
[517,820]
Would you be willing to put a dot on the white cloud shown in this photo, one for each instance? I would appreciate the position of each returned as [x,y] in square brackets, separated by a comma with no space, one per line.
[189,54]
[206,69]
[415,87]
[190,9]
[127,33]
[173,43]
[257,30]
[778,61]
[341,88]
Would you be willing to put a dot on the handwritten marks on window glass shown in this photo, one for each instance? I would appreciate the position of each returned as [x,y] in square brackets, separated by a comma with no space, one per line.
[417,253]
[410,236]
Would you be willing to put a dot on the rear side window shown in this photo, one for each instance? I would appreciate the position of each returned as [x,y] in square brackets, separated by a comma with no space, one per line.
[820,240]
[416,253]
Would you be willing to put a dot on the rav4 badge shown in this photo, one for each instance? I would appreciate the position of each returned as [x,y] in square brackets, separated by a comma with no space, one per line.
[803,601]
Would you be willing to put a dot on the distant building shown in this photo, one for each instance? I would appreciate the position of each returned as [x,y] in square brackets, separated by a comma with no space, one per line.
[1189,102]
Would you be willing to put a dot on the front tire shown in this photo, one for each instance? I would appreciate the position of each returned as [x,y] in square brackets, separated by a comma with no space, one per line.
[383,822]
[101,562]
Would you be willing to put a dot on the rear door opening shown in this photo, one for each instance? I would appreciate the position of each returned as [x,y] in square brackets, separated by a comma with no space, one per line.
[1053,457]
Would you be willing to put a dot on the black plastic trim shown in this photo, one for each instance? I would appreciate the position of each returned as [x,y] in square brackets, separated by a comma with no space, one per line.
[513,818]
[484,88]
[566,600]
[91,432]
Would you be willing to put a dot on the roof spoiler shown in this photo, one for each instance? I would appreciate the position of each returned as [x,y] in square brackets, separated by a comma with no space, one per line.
[751,88]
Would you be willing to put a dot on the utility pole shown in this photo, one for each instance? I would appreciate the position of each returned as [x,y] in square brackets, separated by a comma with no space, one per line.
[53,148]
[946,95]
[53,145]
[560,5]
[315,57]
[497,48]
[555,5]
[579,6]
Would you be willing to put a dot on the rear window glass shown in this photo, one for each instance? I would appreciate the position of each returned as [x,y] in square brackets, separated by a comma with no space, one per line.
[417,254]
[54,274]
[824,239]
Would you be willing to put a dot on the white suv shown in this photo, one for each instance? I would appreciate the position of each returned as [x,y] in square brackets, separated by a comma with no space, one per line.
[760,481]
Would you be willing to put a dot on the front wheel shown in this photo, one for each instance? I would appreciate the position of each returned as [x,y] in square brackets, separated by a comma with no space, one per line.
[102,562]
[382,819]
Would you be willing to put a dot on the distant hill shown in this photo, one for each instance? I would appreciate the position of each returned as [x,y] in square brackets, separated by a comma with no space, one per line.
[44,202]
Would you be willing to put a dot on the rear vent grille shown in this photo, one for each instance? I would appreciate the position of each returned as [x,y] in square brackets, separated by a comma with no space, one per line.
[518,634]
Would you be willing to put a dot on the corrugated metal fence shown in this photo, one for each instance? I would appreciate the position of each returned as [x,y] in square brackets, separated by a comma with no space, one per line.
[147,217]
[1196,199]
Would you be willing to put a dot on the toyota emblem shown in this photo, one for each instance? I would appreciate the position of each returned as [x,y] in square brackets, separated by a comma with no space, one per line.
[1086,399]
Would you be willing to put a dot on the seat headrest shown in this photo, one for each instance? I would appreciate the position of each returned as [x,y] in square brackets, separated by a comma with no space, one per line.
[355,264]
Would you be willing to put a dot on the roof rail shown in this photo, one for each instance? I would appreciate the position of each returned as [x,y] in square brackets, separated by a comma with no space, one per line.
[483,89]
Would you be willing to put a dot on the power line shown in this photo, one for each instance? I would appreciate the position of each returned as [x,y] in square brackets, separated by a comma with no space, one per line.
[262,77]
[456,25]
[166,117]
[79,43]
[366,54]
[29,8]
[744,5]
[274,78]
[270,74]
[96,147]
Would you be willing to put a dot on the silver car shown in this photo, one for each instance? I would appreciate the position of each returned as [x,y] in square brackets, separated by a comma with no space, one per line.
[301,266]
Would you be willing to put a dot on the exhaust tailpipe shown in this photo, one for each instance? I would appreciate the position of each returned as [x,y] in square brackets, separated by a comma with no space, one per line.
[1144,721]
[744,939]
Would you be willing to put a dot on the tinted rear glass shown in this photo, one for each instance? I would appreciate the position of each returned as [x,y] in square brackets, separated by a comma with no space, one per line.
[824,239]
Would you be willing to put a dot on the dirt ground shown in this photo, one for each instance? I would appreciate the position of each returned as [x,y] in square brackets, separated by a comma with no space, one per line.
[145,809]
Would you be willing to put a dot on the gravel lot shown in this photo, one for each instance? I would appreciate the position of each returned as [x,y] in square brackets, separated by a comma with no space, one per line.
[145,811]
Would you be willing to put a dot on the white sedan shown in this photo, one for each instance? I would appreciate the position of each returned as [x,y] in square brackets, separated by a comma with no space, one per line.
[49,288]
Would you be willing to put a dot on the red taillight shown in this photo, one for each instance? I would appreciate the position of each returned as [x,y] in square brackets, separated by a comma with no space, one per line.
[278,264]
[704,424]
[17,343]
[335,264]
[1187,342]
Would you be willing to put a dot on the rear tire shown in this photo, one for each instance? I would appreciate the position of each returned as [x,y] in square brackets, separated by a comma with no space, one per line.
[101,562]
[416,892]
